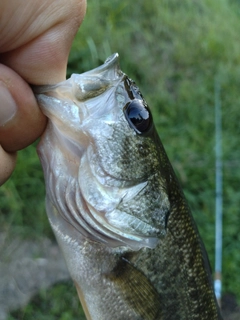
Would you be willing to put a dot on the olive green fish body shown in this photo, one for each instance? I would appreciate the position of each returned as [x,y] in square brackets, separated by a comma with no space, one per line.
[115,205]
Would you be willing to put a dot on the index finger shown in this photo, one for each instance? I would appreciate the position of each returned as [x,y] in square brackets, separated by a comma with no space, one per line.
[8,161]
[27,122]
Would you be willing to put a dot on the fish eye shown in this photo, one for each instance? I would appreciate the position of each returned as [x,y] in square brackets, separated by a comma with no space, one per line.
[138,115]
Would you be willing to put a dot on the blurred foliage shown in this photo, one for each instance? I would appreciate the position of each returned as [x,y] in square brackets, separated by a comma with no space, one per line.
[175,51]
[22,206]
[67,308]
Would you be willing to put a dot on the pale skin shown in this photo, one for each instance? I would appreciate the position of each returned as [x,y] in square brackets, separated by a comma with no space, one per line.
[35,40]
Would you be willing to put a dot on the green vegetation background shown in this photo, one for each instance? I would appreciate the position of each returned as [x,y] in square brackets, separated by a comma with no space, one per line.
[174,50]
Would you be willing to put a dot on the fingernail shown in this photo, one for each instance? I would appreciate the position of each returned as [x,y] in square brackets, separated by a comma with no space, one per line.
[8,107]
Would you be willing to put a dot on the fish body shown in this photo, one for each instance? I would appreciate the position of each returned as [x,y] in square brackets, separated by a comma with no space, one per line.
[115,205]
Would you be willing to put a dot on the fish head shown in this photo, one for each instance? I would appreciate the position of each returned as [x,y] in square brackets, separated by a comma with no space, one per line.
[102,160]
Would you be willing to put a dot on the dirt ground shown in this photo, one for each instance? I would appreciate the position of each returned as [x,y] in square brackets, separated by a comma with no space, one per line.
[25,268]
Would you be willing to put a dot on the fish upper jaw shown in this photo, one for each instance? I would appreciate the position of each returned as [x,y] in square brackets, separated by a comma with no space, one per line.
[73,105]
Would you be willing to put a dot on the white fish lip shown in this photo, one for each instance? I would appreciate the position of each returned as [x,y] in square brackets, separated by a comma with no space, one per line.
[110,71]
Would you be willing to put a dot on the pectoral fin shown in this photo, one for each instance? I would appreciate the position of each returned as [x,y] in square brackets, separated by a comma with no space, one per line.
[137,290]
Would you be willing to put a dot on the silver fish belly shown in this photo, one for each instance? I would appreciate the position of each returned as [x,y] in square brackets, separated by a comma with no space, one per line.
[115,205]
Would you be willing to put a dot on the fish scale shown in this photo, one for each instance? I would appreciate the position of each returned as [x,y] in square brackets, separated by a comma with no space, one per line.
[115,205]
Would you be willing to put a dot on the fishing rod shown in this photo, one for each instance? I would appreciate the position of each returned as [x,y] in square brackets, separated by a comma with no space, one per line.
[218,217]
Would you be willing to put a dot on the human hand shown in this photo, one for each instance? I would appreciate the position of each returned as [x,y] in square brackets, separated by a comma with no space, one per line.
[35,40]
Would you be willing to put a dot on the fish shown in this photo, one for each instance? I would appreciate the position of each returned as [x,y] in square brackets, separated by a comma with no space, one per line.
[115,205]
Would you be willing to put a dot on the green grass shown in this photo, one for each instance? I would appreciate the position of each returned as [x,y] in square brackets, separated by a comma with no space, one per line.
[175,50]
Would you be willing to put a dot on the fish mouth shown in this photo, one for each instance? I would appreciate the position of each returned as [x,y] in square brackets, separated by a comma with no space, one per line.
[67,103]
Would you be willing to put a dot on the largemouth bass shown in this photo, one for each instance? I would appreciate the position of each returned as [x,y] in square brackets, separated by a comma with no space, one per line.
[115,205]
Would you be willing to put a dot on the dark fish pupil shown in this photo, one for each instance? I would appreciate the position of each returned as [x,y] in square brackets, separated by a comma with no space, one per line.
[138,115]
